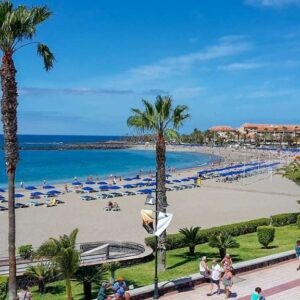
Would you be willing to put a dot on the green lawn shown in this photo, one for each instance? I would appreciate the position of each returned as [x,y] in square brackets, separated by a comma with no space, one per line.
[179,264]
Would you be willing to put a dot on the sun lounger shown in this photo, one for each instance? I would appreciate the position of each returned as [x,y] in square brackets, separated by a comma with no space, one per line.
[34,203]
[20,205]
[2,208]
[87,198]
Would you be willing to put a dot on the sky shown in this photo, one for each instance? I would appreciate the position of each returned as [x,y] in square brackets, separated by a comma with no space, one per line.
[230,62]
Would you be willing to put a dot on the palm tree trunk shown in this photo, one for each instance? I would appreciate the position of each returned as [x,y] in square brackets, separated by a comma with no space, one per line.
[87,290]
[68,289]
[9,118]
[161,195]
[222,252]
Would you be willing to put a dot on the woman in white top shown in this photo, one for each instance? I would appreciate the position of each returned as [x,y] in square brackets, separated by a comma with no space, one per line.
[204,269]
[25,294]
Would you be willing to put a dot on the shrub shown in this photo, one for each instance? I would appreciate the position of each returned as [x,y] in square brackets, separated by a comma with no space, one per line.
[190,238]
[25,251]
[298,221]
[265,235]
[177,240]
[284,219]
[3,287]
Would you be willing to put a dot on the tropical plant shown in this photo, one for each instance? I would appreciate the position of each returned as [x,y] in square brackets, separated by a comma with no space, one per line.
[291,171]
[191,238]
[42,272]
[112,267]
[63,254]
[157,118]
[3,287]
[266,235]
[89,275]
[172,135]
[25,251]
[17,27]
[222,241]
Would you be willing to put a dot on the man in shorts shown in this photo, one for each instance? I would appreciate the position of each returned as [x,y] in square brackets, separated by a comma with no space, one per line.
[216,272]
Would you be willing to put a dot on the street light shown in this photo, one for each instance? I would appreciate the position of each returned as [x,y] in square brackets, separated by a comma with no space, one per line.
[150,200]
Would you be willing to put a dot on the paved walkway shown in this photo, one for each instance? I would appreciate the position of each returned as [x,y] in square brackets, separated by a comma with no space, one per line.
[279,282]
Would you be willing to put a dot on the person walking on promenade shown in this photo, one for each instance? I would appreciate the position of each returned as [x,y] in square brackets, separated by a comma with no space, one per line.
[226,262]
[297,249]
[216,271]
[227,282]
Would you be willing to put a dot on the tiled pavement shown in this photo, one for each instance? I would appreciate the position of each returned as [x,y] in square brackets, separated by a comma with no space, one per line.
[279,282]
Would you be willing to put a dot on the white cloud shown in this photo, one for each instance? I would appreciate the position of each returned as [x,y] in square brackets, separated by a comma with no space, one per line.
[272,3]
[227,46]
[240,66]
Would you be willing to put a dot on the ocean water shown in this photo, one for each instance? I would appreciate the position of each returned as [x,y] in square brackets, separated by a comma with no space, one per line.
[62,166]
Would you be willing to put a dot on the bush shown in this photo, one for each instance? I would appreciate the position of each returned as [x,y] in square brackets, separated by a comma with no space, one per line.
[266,235]
[25,251]
[298,221]
[177,240]
[284,219]
[3,287]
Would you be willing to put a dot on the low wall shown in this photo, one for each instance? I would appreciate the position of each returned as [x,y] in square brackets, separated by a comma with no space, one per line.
[196,279]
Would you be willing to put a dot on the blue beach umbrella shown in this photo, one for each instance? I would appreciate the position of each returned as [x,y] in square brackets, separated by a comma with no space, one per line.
[103,187]
[48,187]
[185,179]
[128,186]
[2,190]
[30,188]
[147,179]
[76,183]
[88,188]
[2,197]
[168,175]
[37,194]
[53,192]
[90,182]
[115,187]
[102,182]
[140,184]
[145,191]
[176,180]
[19,195]
[128,179]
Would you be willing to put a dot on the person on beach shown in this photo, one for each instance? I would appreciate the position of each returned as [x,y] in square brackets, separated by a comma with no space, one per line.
[297,249]
[119,288]
[227,282]
[216,271]
[44,182]
[66,188]
[25,294]
[21,184]
[203,267]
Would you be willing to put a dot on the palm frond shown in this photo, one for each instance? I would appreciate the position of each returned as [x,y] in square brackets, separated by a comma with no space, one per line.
[47,56]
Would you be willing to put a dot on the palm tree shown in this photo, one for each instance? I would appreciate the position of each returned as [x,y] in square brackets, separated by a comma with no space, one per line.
[42,272]
[223,241]
[157,119]
[191,238]
[63,254]
[89,275]
[291,171]
[112,267]
[17,26]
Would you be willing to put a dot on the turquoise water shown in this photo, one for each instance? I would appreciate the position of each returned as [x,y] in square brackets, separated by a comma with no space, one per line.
[62,166]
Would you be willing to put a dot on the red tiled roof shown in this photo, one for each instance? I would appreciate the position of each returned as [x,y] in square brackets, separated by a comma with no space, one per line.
[271,127]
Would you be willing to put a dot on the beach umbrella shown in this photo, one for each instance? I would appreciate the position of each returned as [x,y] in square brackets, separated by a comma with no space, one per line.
[30,188]
[48,187]
[37,194]
[168,175]
[19,195]
[2,190]
[152,184]
[88,188]
[176,180]
[90,182]
[147,179]
[115,187]
[53,192]
[103,187]
[76,183]
[102,182]
[128,179]
[128,186]
[185,179]
[140,184]
[2,198]
[145,191]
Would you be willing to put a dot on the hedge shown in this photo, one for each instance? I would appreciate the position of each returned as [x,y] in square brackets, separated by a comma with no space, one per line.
[284,219]
[298,221]
[177,240]
[266,235]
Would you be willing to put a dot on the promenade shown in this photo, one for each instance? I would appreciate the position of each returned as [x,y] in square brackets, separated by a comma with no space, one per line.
[278,282]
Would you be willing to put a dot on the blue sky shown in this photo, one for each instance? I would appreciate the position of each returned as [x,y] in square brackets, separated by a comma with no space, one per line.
[230,61]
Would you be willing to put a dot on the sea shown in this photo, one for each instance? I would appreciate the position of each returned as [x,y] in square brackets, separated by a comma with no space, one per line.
[57,166]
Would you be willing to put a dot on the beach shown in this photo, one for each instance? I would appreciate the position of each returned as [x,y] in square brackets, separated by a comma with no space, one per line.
[215,203]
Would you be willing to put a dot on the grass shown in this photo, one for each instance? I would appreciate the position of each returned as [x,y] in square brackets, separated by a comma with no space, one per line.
[179,264]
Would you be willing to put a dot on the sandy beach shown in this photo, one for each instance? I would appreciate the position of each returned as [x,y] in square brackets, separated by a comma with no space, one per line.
[215,203]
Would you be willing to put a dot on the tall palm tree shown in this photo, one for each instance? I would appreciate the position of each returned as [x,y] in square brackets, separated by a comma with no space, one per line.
[17,26]
[64,255]
[157,118]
